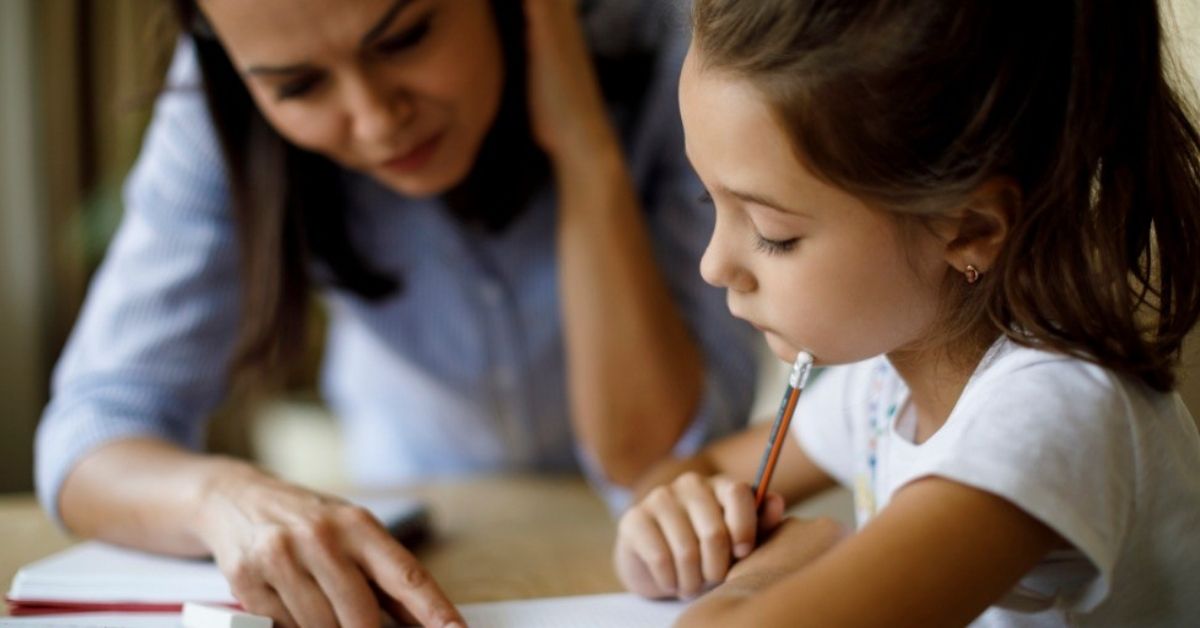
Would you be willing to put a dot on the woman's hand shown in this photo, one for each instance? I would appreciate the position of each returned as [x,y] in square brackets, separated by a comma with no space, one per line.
[567,110]
[684,536]
[306,559]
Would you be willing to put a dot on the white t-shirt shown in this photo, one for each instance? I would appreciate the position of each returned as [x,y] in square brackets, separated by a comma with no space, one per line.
[1105,461]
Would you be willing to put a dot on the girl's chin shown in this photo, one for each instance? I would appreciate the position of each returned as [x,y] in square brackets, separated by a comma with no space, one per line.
[780,347]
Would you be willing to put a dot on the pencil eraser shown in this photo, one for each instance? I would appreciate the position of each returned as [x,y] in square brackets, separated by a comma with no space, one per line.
[209,616]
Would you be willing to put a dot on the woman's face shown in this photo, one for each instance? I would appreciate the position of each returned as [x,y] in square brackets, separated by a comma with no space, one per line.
[403,90]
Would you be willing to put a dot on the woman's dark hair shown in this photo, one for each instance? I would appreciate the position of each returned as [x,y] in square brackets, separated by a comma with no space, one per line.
[913,104]
[290,211]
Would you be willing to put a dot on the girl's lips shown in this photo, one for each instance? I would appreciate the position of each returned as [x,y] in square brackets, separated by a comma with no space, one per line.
[416,158]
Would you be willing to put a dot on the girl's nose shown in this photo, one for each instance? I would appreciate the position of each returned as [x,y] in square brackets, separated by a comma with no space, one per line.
[720,267]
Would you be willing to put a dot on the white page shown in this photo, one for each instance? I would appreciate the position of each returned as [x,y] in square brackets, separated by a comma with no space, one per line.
[93,572]
[616,610]
[96,620]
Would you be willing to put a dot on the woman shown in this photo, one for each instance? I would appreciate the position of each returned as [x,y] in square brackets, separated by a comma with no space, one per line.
[507,252]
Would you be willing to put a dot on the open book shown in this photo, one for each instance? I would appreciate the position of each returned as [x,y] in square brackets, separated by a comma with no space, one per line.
[94,576]
[616,610]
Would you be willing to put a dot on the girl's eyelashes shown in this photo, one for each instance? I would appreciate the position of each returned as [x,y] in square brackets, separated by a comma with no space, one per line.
[705,198]
[774,247]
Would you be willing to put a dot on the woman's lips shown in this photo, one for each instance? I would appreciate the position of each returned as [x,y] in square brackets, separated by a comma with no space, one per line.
[416,158]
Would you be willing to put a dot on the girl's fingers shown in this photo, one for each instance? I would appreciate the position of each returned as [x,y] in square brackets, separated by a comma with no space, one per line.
[708,521]
[401,578]
[772,512]
[641,536]
[681,538]
[737,501]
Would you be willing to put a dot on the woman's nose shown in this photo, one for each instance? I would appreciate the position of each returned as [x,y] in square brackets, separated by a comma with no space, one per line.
[720,267]
[378,113]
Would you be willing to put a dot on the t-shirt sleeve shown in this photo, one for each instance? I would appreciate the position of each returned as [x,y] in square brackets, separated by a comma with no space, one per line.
[822,424]
[1053,438]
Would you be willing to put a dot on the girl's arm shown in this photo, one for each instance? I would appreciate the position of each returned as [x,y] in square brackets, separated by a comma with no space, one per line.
[634,371]
[938,555]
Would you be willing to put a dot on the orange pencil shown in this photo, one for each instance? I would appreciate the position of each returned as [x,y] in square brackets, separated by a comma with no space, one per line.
[796,381]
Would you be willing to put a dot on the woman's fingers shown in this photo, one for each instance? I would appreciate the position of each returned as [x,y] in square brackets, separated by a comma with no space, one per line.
[640,535]
[254,594]
[342,581]
[401,578]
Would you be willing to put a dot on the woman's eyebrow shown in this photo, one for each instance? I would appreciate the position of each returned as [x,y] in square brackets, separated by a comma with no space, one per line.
[382,25]
[372,34]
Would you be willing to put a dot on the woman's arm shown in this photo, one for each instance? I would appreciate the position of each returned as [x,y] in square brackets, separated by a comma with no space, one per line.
[938,555]
[293,554]
[635,373]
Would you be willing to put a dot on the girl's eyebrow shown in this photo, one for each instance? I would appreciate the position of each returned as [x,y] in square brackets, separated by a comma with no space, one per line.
[763,200]
[372,34]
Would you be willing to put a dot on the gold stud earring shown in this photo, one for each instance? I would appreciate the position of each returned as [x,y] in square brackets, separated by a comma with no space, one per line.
[972,273]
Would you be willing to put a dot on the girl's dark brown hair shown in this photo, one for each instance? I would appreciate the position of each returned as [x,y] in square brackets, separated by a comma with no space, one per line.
[913,104]
[290,211]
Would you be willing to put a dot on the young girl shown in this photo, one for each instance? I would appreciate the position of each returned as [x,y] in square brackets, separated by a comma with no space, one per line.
[991,213]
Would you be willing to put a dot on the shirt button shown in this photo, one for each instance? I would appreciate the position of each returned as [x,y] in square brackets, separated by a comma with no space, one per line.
[506,378]
[491,293]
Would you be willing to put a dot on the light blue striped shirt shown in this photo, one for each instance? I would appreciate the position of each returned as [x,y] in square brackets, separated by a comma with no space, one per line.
[464,372]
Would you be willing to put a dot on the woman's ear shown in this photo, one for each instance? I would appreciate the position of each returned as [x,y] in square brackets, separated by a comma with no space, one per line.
[976,232]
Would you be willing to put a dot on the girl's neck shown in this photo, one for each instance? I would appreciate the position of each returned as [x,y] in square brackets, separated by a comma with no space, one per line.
[936,376]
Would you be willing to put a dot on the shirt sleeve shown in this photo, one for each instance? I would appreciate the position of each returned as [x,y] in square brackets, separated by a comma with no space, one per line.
[149,354]
[1053,438]
[680,226]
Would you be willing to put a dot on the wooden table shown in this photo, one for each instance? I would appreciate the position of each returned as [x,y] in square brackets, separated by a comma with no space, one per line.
[495,538]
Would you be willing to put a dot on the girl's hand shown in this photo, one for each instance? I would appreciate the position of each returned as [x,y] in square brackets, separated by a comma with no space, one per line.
[793,544]
[684,536]
[567,111]
[306,559]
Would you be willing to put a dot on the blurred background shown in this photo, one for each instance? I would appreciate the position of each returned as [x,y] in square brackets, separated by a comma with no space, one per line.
[77,82]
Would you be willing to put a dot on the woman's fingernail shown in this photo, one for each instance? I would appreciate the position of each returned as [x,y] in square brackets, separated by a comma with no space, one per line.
[741,550]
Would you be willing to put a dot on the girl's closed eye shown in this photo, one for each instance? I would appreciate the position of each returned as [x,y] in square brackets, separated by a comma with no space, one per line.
[761,243]
[774,247]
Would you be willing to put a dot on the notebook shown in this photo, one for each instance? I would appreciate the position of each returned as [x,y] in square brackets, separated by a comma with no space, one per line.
[617,610]
[94,576]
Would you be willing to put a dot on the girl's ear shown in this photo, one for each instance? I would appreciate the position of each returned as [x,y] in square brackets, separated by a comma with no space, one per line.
[975,233]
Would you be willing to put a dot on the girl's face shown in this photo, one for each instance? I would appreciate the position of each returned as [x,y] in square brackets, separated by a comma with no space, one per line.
[809,265]
[403,90]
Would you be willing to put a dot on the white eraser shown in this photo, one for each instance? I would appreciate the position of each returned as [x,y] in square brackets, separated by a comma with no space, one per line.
[209,616]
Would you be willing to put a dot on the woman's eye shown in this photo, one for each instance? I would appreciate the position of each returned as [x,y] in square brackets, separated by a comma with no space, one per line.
[297,88]
[774,247]
[705,198]
[406,39]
